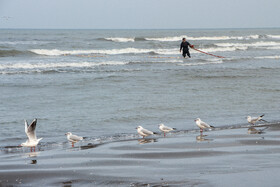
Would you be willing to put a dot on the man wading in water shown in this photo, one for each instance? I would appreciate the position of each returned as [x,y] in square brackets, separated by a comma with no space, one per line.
[185,46]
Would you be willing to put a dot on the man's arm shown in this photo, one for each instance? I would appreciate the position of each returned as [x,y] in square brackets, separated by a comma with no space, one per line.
[181,46]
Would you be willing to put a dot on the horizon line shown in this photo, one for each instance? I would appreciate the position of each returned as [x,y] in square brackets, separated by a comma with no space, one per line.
[220,28]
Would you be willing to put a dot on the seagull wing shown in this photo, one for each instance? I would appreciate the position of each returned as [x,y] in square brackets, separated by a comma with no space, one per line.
[165,128]
[30,130]
[205,124]
[75,138]
[145,131]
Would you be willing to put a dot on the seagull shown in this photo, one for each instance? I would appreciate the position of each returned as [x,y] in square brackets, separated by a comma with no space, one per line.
[165,129]
[31,134]
[253,120]
[202,125]
[144,132]
[73,138]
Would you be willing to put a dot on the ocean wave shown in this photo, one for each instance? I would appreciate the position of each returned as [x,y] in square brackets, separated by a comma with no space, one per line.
[273,36]
[179,38]
[268,57]
[208,62]
[120,39]
[56,52]
[255,44]
[23,42]
[171,51]
[11,66]
[12,52]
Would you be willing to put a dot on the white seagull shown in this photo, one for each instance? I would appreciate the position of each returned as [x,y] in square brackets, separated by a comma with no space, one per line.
[31,134]
[73,138]
[165,129]
[254,120]
[144,132]
[202,125]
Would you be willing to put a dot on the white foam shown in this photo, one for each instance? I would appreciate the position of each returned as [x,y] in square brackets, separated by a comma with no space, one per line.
[121,39]
[268,57]
[274,36]
[171,51]
[202,63]
[179,38]
[167,39]
[256,44]
[59,65]
[56,52]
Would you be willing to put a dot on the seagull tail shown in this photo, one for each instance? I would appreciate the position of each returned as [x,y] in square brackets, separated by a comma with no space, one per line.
[155,133]
[174,129]
[212,126]
[262,116]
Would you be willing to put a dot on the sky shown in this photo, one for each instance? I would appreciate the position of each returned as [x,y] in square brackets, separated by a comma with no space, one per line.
[139,14]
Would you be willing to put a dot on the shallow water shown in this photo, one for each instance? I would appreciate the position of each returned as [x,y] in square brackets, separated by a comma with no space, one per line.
[101,84]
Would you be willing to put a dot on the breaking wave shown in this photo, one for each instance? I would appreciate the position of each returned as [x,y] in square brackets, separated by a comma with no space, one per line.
[53,66]
[56,52]
[256,44]
[120,39]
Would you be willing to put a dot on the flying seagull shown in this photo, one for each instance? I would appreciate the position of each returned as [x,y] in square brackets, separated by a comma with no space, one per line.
[254,120]
[73,138]
[165,129]
[31,134]
[144,132]
[202,125]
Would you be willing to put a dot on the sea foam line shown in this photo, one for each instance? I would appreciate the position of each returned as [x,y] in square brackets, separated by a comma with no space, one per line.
[59,65]
[120,39]
[255,44]
[171,51]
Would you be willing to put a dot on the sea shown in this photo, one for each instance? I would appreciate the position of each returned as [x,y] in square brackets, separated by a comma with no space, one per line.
[102,84]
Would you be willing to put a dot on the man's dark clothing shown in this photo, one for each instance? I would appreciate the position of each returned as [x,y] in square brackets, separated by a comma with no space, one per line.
[185,46]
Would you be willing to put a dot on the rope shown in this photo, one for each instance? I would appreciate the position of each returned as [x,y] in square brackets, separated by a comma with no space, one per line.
[207,53]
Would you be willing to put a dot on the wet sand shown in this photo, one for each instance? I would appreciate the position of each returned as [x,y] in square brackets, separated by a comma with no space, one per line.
[222,157]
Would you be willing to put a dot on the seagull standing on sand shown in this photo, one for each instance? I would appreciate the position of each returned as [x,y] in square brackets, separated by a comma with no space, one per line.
[144,132]
[73,138]
[165,129]
[254,120]
[31,134]
[202,125]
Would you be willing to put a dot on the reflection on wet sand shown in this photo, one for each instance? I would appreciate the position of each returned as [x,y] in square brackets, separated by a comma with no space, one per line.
[252,130]
[89,146]
[33,162]
[144,141]
[32,154]
[200,138]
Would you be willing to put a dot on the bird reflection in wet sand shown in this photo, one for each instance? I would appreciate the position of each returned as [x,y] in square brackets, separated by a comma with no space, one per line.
[144,141]
[32,154]
[200,138]
[253,130]
[33,162]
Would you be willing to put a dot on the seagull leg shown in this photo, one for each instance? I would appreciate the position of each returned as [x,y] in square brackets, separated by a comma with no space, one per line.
[164,134]
[201,131]
[72,144]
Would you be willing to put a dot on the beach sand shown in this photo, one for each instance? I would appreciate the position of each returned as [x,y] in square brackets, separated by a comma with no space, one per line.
[222,157]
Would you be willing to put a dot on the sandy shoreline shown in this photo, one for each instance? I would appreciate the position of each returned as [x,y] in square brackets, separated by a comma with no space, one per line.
[223,157]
